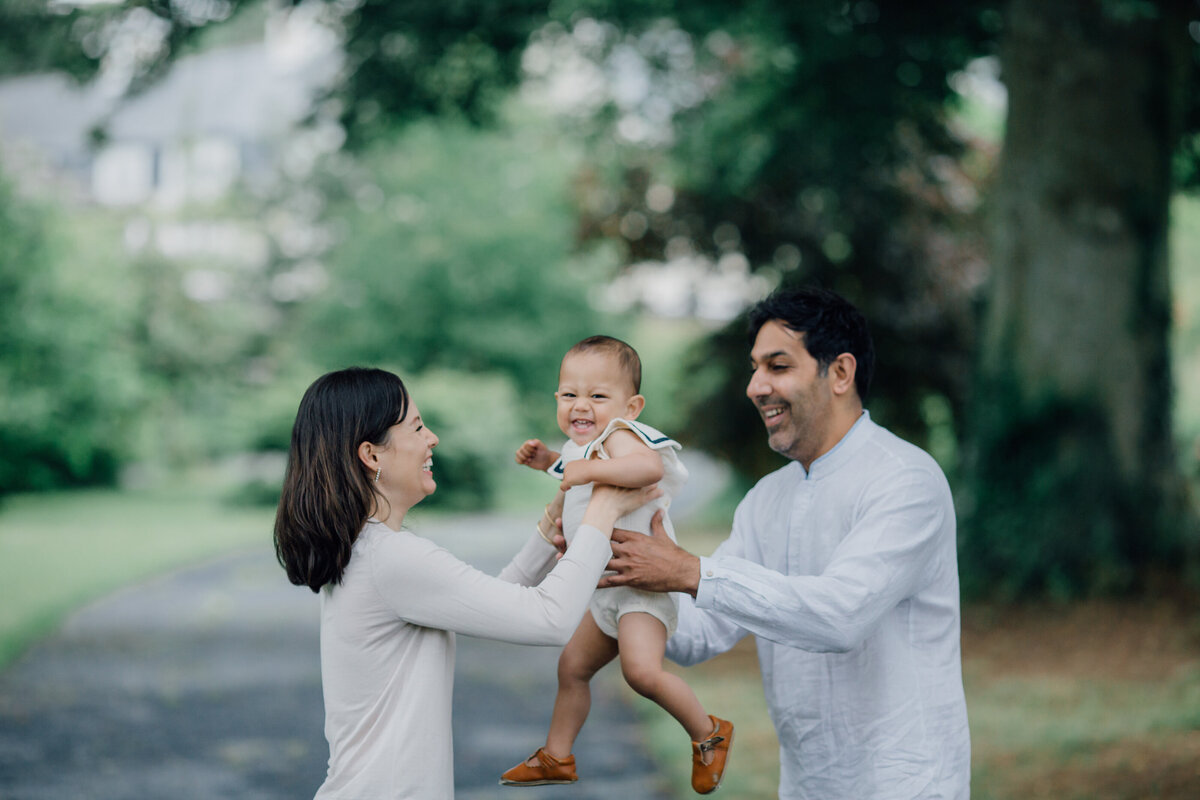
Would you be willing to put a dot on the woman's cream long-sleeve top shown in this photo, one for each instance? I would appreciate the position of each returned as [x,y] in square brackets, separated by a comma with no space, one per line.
[387,649]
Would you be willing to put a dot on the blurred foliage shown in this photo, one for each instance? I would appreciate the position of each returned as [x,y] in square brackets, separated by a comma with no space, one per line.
[1050,454]
[472,445]
[136,41]
[453,259]
[811,140]
[1072,479]
[453,249]
[34,36]
[67,383]
[824,143]
[814,143]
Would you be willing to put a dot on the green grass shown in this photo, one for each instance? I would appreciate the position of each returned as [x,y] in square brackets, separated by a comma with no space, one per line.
[1063,713]
[61,550]
[1034,735]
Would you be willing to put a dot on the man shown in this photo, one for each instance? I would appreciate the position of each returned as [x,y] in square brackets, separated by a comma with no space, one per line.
[843,566]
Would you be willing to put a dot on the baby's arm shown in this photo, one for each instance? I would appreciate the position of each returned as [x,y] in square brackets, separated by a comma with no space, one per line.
[632,465]
[535,455]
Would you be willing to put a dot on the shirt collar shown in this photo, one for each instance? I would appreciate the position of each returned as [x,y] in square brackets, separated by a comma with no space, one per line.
[843,451]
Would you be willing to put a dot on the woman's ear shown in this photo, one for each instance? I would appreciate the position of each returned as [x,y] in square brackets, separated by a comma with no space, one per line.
[634,406]
[366,454]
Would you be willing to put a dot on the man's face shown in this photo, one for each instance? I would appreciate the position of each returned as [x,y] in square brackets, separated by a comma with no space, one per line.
[790,391]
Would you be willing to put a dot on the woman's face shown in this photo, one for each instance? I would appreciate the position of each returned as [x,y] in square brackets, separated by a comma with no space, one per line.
[406,461]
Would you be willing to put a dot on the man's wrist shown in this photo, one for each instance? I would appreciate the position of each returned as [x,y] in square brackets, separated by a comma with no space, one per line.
[689,575]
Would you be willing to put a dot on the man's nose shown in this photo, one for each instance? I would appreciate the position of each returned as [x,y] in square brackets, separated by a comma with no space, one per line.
[758,386]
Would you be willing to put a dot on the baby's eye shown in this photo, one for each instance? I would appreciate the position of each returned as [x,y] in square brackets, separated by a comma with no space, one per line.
[599,396]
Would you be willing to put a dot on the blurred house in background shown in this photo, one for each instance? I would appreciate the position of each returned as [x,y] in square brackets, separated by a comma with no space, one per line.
[244,117]
[218,118]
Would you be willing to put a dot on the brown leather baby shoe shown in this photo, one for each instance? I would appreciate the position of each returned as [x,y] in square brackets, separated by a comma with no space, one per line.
[714,750]
[548,771]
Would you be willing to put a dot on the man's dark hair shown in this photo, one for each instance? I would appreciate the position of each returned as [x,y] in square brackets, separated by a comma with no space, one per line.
[831,326]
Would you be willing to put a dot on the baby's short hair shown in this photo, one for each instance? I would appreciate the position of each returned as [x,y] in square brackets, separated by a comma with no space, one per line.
[626,356]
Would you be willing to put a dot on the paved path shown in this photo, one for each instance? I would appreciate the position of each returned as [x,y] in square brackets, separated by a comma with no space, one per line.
[205,683]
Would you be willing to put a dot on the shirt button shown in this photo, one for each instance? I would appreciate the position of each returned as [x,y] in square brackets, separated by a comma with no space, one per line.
[709,573]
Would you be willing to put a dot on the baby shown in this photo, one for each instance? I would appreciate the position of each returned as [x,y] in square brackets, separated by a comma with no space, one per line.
[598,405]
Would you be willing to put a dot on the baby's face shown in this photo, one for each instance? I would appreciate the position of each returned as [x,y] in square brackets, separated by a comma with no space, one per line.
[593,390]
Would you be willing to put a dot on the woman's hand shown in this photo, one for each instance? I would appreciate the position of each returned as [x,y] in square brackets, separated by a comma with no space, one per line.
[609,503]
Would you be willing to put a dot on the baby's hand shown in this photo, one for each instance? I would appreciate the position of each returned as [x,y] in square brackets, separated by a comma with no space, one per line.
[535,455]
[575,474]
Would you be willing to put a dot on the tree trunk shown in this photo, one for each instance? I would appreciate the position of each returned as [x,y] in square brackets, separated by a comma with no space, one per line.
[1074,483]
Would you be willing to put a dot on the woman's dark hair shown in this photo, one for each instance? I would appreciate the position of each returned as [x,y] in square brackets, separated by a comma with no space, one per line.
[830,324]
[328,493]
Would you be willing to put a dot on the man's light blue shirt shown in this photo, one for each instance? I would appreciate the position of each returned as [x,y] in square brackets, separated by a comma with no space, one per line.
[848,577]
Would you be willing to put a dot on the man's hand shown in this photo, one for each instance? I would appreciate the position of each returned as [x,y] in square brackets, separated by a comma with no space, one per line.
[536,455]
[653,563]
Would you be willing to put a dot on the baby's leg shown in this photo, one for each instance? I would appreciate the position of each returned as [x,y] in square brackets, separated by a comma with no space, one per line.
[643,642]
[588,651]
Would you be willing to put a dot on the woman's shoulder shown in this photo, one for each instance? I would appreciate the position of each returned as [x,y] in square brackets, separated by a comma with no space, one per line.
[390,556]
[379,544]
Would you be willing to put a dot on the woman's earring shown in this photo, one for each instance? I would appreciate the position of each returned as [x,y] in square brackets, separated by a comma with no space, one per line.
[378,472]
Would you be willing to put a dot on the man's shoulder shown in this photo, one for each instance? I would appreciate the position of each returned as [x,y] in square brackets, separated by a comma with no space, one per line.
[889,449]
[889,460]
[776,480]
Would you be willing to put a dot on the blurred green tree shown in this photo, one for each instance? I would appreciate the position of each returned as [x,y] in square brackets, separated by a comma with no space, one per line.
[815,141]
[452,259]
[812,139]
[68,382]
[454,249]
[822,148]
[1075,484]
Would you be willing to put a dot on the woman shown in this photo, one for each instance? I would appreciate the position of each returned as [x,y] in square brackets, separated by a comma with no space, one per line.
[391,601]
